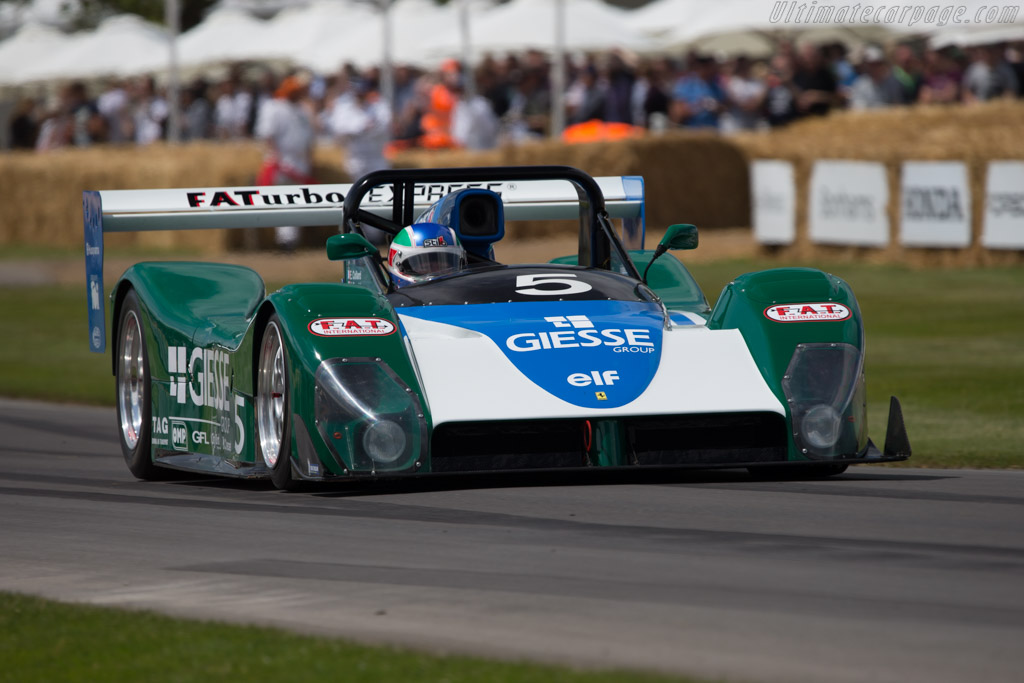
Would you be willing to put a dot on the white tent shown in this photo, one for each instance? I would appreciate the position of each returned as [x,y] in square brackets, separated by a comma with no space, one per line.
[662,16]
[591,25]
[224,36]
[32,43]
[754,25]
[989,35]
[122,45]
[298,32]
[361,42]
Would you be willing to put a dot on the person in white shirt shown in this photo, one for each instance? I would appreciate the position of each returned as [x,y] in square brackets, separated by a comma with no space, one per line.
[285,124]
[362,124]
[232,110]
[150,112]
[746,95]
[474,125]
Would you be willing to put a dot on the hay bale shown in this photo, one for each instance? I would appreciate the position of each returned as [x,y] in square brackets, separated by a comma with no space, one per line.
[689,177]
[42,193]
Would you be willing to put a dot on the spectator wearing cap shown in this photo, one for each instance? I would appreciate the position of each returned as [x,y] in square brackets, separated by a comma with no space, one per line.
[876,86]
[286,127]
[698,98]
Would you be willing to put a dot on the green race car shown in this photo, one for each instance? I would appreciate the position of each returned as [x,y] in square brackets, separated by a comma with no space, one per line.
[609,357]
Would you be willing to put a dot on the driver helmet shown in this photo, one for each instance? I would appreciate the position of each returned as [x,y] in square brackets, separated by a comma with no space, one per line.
[424,251]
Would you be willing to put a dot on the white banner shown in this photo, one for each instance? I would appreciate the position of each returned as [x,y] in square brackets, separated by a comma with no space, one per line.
[848,203]
[1003,226]
[773,201]
[935,208]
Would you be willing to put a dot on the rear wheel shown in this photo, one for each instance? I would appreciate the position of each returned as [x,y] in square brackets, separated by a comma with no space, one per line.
[273,435]
[132,387]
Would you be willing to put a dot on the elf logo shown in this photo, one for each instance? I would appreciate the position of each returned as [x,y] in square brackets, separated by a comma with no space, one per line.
[801,313]
[594,377]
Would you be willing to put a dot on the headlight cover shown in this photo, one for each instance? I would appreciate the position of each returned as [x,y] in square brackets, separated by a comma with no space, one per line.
[824,385]
[368,417]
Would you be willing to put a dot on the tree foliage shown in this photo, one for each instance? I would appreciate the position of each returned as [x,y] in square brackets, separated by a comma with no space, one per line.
[91,12]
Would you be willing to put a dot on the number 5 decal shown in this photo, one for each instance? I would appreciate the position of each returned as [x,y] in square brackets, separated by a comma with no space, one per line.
[566,284]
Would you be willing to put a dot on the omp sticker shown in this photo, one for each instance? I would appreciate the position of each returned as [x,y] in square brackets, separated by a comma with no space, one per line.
[179,436]
[802,313]
[351,327]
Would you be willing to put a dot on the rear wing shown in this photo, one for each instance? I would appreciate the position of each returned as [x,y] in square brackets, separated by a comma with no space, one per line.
[314,205]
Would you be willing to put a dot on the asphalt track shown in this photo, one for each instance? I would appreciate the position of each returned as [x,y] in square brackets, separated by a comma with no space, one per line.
[877,575]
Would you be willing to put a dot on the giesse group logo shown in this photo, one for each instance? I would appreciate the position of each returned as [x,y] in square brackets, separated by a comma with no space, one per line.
[582,333]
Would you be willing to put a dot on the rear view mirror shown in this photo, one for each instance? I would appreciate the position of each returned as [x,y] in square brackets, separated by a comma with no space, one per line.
[349,246]
[681,236]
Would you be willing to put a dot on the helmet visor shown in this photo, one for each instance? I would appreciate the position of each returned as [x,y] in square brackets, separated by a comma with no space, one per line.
[431,263]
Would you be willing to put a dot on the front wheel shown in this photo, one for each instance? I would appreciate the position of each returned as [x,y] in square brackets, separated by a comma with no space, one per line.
[132,387]
[273,433]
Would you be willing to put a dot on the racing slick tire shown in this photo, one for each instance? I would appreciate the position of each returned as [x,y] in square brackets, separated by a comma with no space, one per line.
[273,426]
[132,392]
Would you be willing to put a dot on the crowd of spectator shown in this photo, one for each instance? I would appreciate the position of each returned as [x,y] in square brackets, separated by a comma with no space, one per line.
[508,100]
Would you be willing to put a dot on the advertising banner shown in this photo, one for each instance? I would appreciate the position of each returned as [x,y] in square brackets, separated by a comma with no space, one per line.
[848,203]
[1003,226]
[773,199]
[935,204]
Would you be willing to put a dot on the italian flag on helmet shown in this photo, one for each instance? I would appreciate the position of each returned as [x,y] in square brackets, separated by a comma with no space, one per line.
[424,251]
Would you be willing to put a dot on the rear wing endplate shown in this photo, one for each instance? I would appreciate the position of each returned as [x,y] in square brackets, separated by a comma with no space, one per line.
[309,205]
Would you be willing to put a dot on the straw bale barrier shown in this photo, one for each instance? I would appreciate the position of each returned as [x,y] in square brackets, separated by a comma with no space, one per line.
[690,177]
[702,180]
[41,194]
[973,134]
[697,178]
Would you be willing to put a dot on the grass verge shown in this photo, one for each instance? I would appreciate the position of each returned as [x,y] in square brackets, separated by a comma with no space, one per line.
[49,641]
[948,343]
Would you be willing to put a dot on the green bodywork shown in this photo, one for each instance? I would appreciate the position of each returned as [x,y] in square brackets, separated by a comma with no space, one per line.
[742,305]
[203,324]
[669,279]
[772,344]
